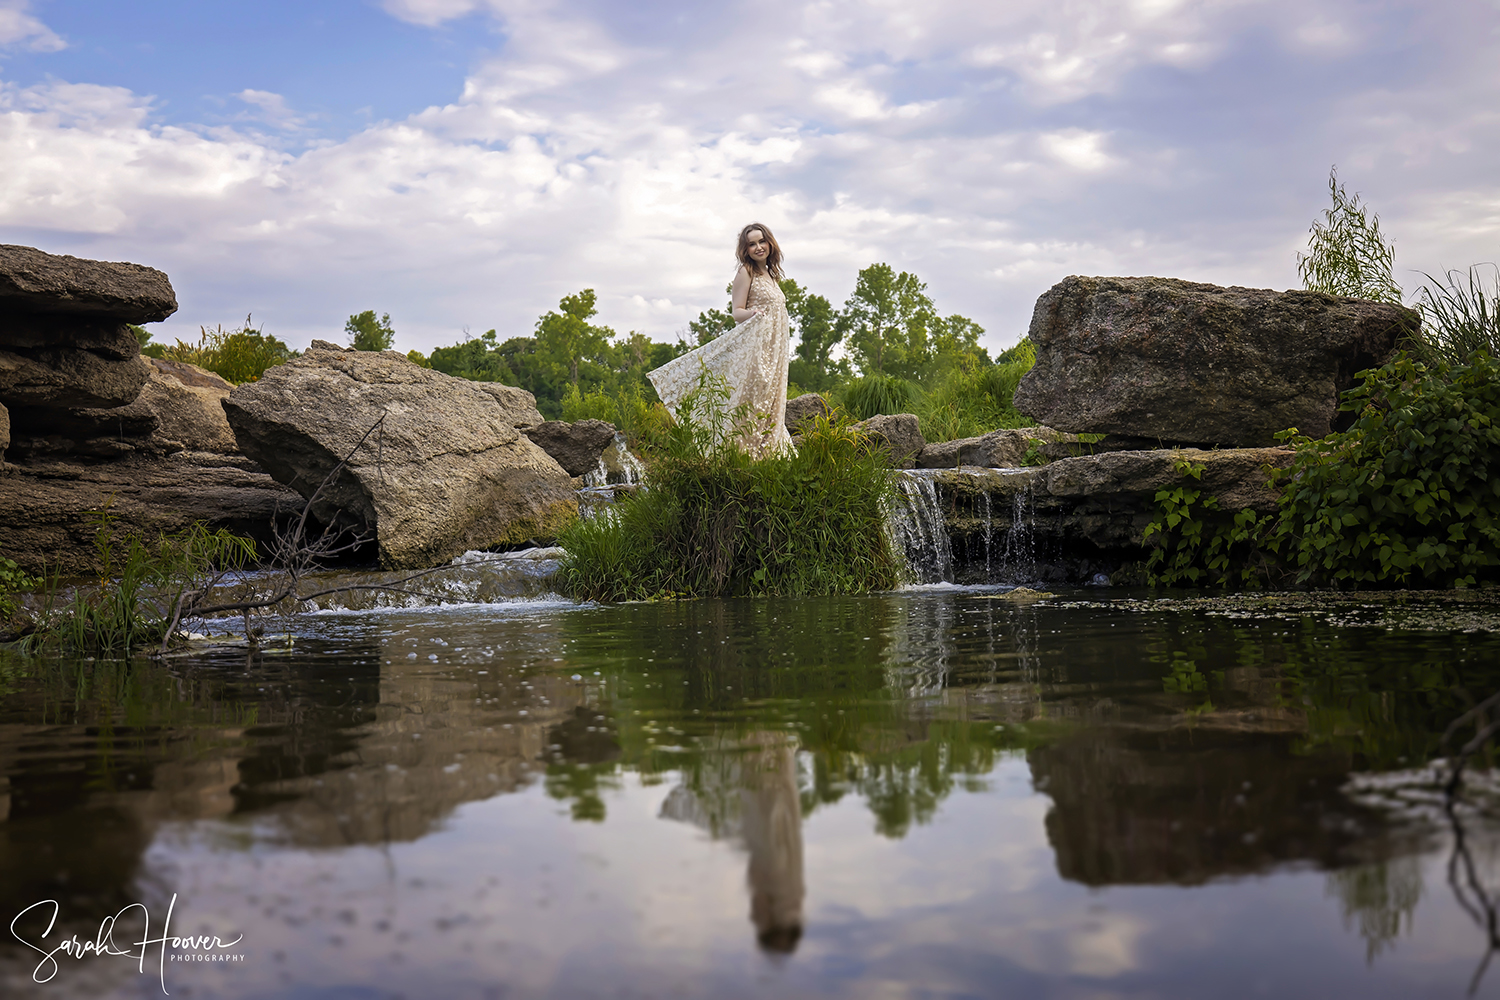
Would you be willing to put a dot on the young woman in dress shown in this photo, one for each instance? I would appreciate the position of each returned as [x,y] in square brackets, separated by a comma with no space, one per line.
[752,358]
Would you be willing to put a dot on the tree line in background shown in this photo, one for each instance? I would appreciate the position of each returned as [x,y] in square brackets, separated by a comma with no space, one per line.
[899,355]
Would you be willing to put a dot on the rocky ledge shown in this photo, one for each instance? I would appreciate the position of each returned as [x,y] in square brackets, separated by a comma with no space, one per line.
[1079,516]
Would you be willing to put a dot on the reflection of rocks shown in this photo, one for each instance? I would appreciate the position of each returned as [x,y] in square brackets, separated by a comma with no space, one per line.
[1189,804]
[753,796]
[585,737]
[429,748]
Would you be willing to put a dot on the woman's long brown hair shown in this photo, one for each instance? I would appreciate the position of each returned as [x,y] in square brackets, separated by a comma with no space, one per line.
[773,259]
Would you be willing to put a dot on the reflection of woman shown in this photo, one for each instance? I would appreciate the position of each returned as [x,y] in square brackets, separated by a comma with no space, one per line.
[752,357]
[771,823]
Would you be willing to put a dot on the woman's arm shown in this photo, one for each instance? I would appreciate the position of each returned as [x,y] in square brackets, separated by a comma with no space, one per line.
[740,296]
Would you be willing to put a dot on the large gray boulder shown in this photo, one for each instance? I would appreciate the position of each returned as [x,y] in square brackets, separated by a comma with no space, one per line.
[898,436]
[32,281]
[1160,359]
[575,446]
[802,410]
[446,471]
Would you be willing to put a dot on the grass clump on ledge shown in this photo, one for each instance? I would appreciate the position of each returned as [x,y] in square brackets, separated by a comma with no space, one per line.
[714,522]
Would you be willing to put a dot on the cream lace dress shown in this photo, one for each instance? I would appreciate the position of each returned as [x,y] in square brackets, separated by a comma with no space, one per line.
[752,358]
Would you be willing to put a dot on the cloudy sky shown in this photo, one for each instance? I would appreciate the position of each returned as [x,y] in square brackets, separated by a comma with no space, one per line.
[465,163]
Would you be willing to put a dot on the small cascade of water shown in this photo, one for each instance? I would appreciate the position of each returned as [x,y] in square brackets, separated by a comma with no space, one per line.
[918,526]
[1018,561]
[989,524]
[617,466]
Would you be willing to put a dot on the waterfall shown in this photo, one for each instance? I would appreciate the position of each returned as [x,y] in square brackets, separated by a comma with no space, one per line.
[917,525]
[1019,558]
[617,466]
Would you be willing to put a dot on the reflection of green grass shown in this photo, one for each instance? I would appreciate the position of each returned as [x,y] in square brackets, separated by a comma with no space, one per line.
[129,707]
[1380,697]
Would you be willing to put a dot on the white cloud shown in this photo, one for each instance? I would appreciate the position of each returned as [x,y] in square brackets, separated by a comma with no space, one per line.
[429,12]
[271,109]
[990,148]
[20,29]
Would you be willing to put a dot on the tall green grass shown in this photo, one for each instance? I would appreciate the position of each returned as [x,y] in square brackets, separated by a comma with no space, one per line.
[714,522]
[142,583]
[643,421]
[236,356]
[961,397]
[1460,315]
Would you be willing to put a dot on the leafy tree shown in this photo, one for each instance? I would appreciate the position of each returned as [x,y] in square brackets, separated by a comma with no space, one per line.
[366,333]
[815,321]
[1346,252]
[887,321]
[712,323]
[566,338]
[478,359]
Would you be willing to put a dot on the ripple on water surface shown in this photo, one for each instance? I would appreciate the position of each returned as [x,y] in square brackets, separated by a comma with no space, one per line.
[929,792]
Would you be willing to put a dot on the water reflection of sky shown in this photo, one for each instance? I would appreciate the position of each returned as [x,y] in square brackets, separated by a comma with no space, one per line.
[946,794]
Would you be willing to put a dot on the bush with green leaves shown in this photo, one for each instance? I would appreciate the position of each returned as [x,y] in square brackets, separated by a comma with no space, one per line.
[1407,496]
[13,580]
[236,356]
[715,522]
[644,422]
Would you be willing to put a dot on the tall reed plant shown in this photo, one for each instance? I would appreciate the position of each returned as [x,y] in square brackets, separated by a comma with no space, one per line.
[715,522]
[1461,315]
[236,356]
[141,586]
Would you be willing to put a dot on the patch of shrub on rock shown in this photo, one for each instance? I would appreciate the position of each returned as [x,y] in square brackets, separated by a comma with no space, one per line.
[714,522]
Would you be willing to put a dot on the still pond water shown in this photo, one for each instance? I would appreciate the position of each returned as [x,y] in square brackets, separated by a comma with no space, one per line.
[929,793]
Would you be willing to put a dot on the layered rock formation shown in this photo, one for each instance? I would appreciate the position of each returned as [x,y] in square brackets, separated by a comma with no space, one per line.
[1079,516]
[1166,361]
[1002,449]
[435,465]
[87,424]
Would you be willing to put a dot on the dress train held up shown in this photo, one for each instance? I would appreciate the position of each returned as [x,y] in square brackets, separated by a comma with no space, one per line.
[753,359]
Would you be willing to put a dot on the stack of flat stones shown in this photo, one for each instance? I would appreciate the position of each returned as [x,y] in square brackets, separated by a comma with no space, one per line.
[67,353]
